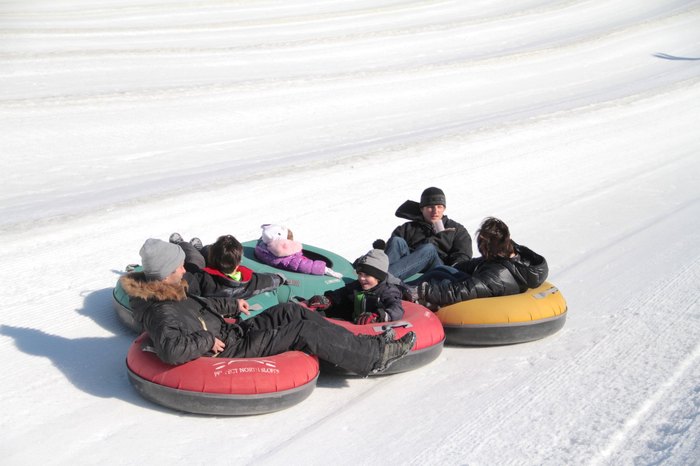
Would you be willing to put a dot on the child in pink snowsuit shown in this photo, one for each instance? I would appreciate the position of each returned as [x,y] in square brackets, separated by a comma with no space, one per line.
[276,247]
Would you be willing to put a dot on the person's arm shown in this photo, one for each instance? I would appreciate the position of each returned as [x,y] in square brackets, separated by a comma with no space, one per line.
[537,268]
[336,302]
[173,341]
[226,307]
[260,283]
[383,306]
[461,249]
[299,263]
[392,303]
[469,266]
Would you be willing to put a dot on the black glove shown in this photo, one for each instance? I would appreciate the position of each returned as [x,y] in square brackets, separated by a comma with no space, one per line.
[379,244]
[319,303]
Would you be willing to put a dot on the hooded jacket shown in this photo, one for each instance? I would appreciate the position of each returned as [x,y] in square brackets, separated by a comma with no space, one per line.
[454,245]
[206,281]
[487,279]
[181,325]
[212,283]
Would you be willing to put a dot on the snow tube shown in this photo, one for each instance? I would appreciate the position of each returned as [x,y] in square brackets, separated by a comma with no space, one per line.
[120,300]
[430,337]
[223,386]
[302,284]
[505,320]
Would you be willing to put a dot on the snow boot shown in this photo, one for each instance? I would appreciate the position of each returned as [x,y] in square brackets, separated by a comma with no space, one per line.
[197,243]
[175,238]
[393,351]
[389,335]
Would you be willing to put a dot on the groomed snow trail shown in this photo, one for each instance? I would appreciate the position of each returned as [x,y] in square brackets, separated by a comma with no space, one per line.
[574,121]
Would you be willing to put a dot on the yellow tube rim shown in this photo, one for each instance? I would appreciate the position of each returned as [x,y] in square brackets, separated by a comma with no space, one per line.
[542,303]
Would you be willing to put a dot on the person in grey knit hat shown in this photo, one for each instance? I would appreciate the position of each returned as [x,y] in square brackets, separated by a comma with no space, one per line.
[374,263]
[370,298]
[160,259]
[183,325]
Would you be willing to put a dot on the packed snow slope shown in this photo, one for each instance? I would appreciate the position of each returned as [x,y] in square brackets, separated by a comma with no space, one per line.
[574,121]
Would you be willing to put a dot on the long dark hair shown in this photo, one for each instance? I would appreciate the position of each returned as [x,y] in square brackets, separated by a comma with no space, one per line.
[225,254]
[493,239]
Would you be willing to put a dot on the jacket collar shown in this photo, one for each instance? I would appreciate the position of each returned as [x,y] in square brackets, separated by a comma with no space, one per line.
[135,285]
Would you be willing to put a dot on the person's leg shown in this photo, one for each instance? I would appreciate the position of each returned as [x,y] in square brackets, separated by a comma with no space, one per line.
[423,258]
[205,251]
[440,273]
[292,327]
[281,314]
[192,255]
[396,248]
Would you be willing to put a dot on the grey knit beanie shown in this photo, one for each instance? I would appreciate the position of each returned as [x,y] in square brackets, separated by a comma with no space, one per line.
[432,196]
[374,263]
[159,258]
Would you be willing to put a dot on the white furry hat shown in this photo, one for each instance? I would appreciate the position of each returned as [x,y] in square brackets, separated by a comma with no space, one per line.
[271,232]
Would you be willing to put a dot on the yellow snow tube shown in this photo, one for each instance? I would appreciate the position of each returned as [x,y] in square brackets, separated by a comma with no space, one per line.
[505,320]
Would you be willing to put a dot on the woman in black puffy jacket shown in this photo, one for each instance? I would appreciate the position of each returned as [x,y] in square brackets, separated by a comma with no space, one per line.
[505,268]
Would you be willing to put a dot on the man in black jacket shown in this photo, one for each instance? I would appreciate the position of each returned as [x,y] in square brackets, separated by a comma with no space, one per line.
[429,239]
[183,326]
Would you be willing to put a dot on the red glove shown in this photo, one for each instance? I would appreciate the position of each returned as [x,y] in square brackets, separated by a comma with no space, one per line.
[367,318]
[319,303]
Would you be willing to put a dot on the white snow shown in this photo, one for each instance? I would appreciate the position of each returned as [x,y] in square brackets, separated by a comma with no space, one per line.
[574,121]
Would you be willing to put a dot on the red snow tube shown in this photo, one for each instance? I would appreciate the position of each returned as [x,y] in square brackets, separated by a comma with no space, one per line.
[223,386]
[430,336]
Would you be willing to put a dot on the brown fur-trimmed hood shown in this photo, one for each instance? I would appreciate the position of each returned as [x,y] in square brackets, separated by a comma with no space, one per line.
[136,286]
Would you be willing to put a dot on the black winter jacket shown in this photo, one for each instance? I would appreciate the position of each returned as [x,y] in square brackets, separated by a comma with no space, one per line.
[487,279]
[351,301]
[454,244]
[211,285]
[181,326]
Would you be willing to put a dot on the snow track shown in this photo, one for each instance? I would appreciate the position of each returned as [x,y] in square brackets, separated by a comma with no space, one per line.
[574,121]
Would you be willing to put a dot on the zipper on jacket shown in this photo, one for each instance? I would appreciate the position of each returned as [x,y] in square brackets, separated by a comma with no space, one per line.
[204,325]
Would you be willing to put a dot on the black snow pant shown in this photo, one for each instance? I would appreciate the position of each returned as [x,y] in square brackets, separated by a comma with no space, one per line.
[192,255]
[290,326]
